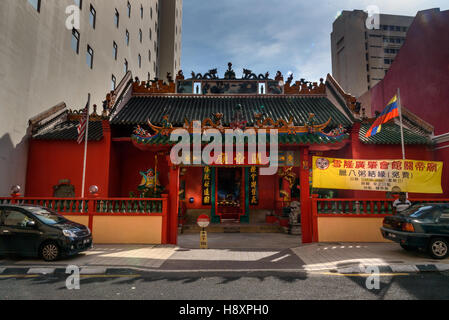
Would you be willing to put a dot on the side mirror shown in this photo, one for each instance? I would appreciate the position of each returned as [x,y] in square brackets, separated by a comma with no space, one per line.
[31,224]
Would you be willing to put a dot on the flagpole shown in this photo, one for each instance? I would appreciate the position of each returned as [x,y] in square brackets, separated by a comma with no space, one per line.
[401,125]
[85,149]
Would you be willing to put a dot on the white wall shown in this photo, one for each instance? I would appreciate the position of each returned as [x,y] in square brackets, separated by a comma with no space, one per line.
[39,69]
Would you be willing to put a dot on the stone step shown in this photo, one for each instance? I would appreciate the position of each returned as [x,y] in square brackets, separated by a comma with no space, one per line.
[192,229]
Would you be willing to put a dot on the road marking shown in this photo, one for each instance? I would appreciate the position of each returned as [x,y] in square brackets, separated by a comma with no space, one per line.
[281,258]
[18,276]
[404,268]
[360,274]
[442,267]
[2,269]
[41,271]
[87,276]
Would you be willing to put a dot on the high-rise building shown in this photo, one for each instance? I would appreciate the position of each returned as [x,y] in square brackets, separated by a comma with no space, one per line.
[170,44]
[360,56]
[44,62]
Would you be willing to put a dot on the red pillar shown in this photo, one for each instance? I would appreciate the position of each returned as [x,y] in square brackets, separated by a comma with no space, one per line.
[306,208]
[173,205]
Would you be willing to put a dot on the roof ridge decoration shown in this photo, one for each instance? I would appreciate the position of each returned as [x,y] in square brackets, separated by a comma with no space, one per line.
[350,100]
[311,126]
[75,115]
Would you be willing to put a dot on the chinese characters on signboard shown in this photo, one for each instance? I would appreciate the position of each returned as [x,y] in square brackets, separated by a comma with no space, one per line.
[378,175]
[207,186]
[253,186]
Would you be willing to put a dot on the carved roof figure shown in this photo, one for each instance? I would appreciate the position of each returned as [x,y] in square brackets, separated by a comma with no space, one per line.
[230,74]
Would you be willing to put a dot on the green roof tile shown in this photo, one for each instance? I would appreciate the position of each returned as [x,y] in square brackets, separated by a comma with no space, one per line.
[391,134]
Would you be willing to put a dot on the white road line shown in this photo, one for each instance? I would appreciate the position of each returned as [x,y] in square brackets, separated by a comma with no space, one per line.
[404,268]
[41,271]
[2,269]
[439,266]
[281,258]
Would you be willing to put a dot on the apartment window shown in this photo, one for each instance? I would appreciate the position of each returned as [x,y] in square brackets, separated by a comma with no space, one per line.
[397,28]
[79,3]
[151,34]
[151,12]
[139,59]
[75,40]
[36,4]
[125,65]
[140,35]
[92,16]
[90,57]
[127,37]
[141,12]
[113,82]
[367,67]
[116,18]
[149,55]
[114,50]
[129,10]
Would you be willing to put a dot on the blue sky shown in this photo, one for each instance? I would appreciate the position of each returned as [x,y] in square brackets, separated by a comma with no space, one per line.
[270,35]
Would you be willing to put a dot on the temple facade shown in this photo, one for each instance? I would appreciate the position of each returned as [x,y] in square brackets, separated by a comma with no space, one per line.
[131,139]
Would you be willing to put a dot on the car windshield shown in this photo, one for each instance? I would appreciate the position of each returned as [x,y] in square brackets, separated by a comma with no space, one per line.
[46,216]
[421,211]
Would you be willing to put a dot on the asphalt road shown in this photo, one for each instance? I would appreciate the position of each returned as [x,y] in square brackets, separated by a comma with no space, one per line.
[134,285]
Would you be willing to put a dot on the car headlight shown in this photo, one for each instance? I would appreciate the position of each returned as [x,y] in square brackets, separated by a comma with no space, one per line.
[69,234]
[88,231]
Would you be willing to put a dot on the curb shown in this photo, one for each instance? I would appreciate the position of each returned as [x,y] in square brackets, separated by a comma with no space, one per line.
[117,271]
[395,268]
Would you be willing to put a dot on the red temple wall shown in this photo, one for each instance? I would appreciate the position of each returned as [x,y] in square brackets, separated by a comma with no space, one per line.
[131,162]
[52,161]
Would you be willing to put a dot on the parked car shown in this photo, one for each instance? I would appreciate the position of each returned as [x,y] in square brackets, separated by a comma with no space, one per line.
[422,226]
[34,231]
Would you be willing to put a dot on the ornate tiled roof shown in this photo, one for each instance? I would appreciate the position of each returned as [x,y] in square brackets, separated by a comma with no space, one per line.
[140,109]
[391,134]
[68,131]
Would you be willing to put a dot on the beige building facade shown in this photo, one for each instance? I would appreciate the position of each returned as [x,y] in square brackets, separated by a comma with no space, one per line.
[44,63]
[361,56]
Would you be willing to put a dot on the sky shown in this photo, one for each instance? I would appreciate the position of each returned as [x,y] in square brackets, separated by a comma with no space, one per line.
[271,35]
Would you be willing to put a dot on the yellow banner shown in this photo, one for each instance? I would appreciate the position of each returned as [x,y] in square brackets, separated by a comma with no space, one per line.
[378,175]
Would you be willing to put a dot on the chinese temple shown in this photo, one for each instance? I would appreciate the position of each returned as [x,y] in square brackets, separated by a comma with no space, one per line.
[129,146]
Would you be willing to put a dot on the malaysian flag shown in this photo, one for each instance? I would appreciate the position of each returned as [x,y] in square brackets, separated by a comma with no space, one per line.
[82,127]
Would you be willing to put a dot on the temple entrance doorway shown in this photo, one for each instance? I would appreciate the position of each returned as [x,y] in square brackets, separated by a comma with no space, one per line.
[230,194]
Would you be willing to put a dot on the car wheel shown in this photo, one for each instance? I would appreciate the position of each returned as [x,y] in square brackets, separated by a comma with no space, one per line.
[407,247]
[50,251]
[439,248]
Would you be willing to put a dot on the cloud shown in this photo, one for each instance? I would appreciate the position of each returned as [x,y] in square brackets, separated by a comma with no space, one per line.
[267,35]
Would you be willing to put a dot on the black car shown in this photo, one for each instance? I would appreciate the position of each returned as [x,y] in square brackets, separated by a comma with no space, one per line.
[34,231]
[422,226]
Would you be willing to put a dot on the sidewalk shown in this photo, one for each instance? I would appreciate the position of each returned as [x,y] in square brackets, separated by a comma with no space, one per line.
[244,252]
